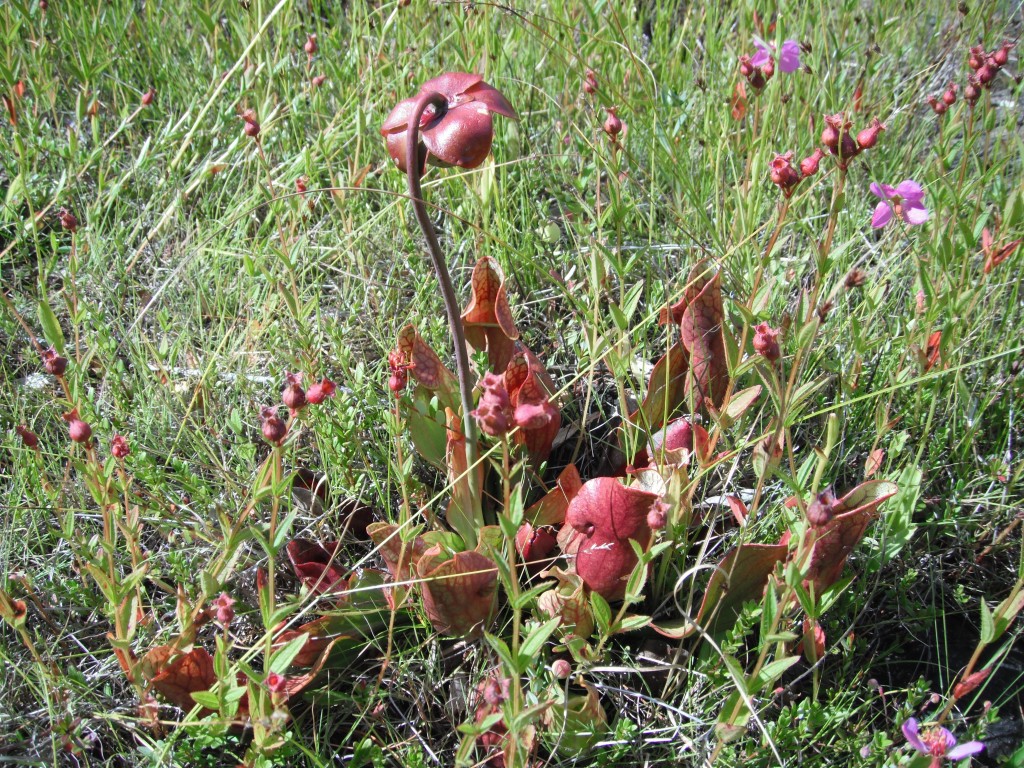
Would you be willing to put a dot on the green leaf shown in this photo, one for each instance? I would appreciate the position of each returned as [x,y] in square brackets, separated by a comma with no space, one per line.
[51,327]
[771,672]
[206,699]
[988,627]
[281,660]
[602,612]
[536,639]
[632,623]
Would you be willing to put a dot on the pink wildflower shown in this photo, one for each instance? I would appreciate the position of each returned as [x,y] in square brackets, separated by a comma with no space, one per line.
[905,199]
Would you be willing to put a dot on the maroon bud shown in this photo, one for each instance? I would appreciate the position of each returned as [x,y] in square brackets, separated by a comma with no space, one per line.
[318,80]
[783,174]
[985,74]
[868,137]
[972,91]
[590,82]
[252,125]
[320,391]
[977,57]
[561,668]
[274,430]
[148,96]
[819,511]
[119,447]
[809,165]
[657,517]
[292,395]
[613,125]
[399,372]
[949,97]
[43,5]
[766,342]
[224,607]
[54,364]
[746,68]
[80,431]
[67,220]
[494,411]
[310,46]
[830,134]
[1002,56]
[28,438]
[939,107]
[768,69]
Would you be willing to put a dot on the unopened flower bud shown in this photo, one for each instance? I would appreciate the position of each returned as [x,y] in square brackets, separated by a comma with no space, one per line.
[310,46]
[119,447]
[949,97]
[830,134]
[868,137]
[68,220]
[809,165]
[766,342]
[252,125]
[399,372]
[28,438]
[613,125]
[590,82]
[939,107]
[561,668]
[293,395]
[224,608]
[768,69]
[783,174]
[985,74]
[657,517]
[972,91]
[148,96]
[54,364]
[80,431]
[320,391]
[746,68]
[1002,56]
[273,428]
[819,511]
[318,80]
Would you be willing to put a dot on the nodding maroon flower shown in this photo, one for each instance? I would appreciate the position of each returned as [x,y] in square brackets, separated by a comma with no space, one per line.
[977,57]
[28,438]
[972,91]
[80,431]
[949,97]
[119,447]
[224,608]
[252,124]
[590,81]
[809,165]
[868,137]
[938,107]
[276,683]
[783,174]
[612,125]
[399,372]
[855,278]
[819,511]
[273,428]
[67,220]
[310,46]
[320,391]
[318,80]
[938,743]
[766,342]
[986,73]
[293,395]
[53,363]
[494,411]
[456,134]
[1002,56]
[148,96]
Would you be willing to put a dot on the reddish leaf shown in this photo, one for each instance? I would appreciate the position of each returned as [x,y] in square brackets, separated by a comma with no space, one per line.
[837,538]
[551,508]
[535,545]
[873,463]
[858,95]
[400,557]
[608,515]
[701,329]
[739,509]
[317,566]
[969,683]
[666,388]
[739,101]
[530,390]
[176,680]
[933,352]
[319,640]
[488,318]
[813,640]
[427,367]
[12,112]
[675,444]
[459,593]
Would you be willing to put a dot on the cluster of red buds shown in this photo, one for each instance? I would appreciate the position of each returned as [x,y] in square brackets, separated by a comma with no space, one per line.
[252,124]
[986,65]
[757,76]
[119,447]
[786,176]
[53,363]
[295,398]
[947,100]
[766,342]
[399,366]
[590,82]
[840,142]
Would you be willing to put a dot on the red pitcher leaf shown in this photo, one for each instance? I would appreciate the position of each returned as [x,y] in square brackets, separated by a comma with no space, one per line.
[675,445]
[738,508]
[186,674]
[319,640]
[813,640]
[739,101]
[701,329]
[317,566]
[969,683]
[873,463]
[852,514]
[608,515]
[551,508]
[535,545]
[568,601]
[933,352]
[488,318]
[530,390]
[460,512]
[427,367]
[666,389]
[740,576]
[399,556]
[459,594]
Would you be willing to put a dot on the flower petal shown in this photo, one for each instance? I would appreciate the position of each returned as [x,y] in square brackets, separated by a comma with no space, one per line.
[789,59]
[915,214]
[451,84]
[910,734]
[493,98]
[965,750]
[462,137]
[760,58]
[884,191]
[882,215]
[398,119]
[910,191]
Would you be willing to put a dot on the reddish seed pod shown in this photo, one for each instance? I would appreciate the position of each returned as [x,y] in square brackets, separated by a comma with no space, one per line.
[561,668]
[148,96]
[119,447]
[938,107]
[224,609]
[310,46]
[273,428]
[972,92]
[80,431]
[868,137]
[809,165]
[28,438]
[949,97]
[320,391]
[252,125]
[54,364]
[746,68]
[986,74]
[590,82]
[293,395]
[68,220]
[613,125]
[318,80]
[1002,56]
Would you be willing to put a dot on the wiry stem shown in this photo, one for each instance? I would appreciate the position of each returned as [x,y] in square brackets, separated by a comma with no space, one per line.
[412,161]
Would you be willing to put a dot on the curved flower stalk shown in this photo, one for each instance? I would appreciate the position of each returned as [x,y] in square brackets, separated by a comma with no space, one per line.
[447,124]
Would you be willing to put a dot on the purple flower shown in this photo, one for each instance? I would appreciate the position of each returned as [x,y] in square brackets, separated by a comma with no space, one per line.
[938,743]
[789,61]
[905,199]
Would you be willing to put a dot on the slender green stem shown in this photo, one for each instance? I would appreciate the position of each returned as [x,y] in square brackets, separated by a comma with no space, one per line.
[413,173]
